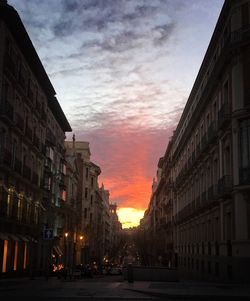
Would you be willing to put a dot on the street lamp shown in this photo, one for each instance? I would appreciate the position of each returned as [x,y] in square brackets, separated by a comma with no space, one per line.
[66,234]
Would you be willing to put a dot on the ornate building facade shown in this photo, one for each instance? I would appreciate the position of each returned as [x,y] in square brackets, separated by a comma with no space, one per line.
[206,171]
[32,132]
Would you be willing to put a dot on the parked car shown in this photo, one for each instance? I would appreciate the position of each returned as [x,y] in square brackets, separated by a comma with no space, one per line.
[115,270]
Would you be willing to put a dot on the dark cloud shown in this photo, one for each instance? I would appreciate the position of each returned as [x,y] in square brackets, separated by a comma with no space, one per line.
[63,28]
[164,32]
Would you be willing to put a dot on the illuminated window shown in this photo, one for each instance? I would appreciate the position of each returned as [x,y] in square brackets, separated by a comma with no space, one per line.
[5,252]
[19,209]
[25,256]
[15,256]
[9,202]
[63,195]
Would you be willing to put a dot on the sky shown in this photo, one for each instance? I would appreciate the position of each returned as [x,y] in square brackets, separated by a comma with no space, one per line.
[122,71]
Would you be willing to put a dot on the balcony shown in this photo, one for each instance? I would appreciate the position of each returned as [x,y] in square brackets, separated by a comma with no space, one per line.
[225,185]
[244,175]
[27,172]
[6,110]
[224,115]
[5,157]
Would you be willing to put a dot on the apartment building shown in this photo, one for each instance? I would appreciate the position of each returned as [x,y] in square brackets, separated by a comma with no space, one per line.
[202,192]
[210,157]
[90,205]
[32,131]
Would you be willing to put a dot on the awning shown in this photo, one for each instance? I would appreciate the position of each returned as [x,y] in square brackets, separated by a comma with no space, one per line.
[4,236]
[58,250]
[13,237]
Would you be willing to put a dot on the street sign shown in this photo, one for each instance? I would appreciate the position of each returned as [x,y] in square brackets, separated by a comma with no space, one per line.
[48,234]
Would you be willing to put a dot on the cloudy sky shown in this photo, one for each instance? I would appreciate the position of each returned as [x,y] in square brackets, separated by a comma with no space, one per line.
[122,70]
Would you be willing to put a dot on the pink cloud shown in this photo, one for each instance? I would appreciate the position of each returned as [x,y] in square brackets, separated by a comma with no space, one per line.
[128,160]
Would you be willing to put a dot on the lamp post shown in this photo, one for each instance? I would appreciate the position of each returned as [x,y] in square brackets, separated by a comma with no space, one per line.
[66,234]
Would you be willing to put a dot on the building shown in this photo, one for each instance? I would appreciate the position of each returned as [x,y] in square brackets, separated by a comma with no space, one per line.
[210,157]
[32,132]
[202,197]
[89,204]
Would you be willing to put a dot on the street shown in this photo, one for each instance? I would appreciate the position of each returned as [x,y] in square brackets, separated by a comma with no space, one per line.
[108,287]
[116,288]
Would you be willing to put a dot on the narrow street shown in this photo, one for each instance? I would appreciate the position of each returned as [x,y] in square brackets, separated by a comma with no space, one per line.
[101,288]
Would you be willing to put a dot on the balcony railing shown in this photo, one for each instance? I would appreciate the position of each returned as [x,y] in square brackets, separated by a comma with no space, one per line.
[225,184]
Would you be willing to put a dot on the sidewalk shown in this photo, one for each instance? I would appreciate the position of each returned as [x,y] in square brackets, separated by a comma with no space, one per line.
[191,290]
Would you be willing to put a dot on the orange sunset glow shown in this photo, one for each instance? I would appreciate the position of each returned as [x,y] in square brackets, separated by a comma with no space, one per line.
[130,217]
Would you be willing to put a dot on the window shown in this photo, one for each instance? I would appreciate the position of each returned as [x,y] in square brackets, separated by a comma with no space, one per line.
[36,214]
[85,212]
[225,92]
[91,199]
[28,211]
[19,208]
[2,139]
[244,152]
[86,193]
[9,203]
[87,173]
[92,182]
[227,161]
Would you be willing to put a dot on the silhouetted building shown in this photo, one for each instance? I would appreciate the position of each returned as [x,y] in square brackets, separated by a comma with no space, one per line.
[32,132]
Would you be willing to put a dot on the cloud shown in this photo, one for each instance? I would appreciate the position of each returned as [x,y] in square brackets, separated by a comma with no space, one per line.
[122,70]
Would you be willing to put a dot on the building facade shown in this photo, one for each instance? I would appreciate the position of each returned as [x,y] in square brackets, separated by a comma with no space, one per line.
[205,169]
[210,157]
[32,132]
